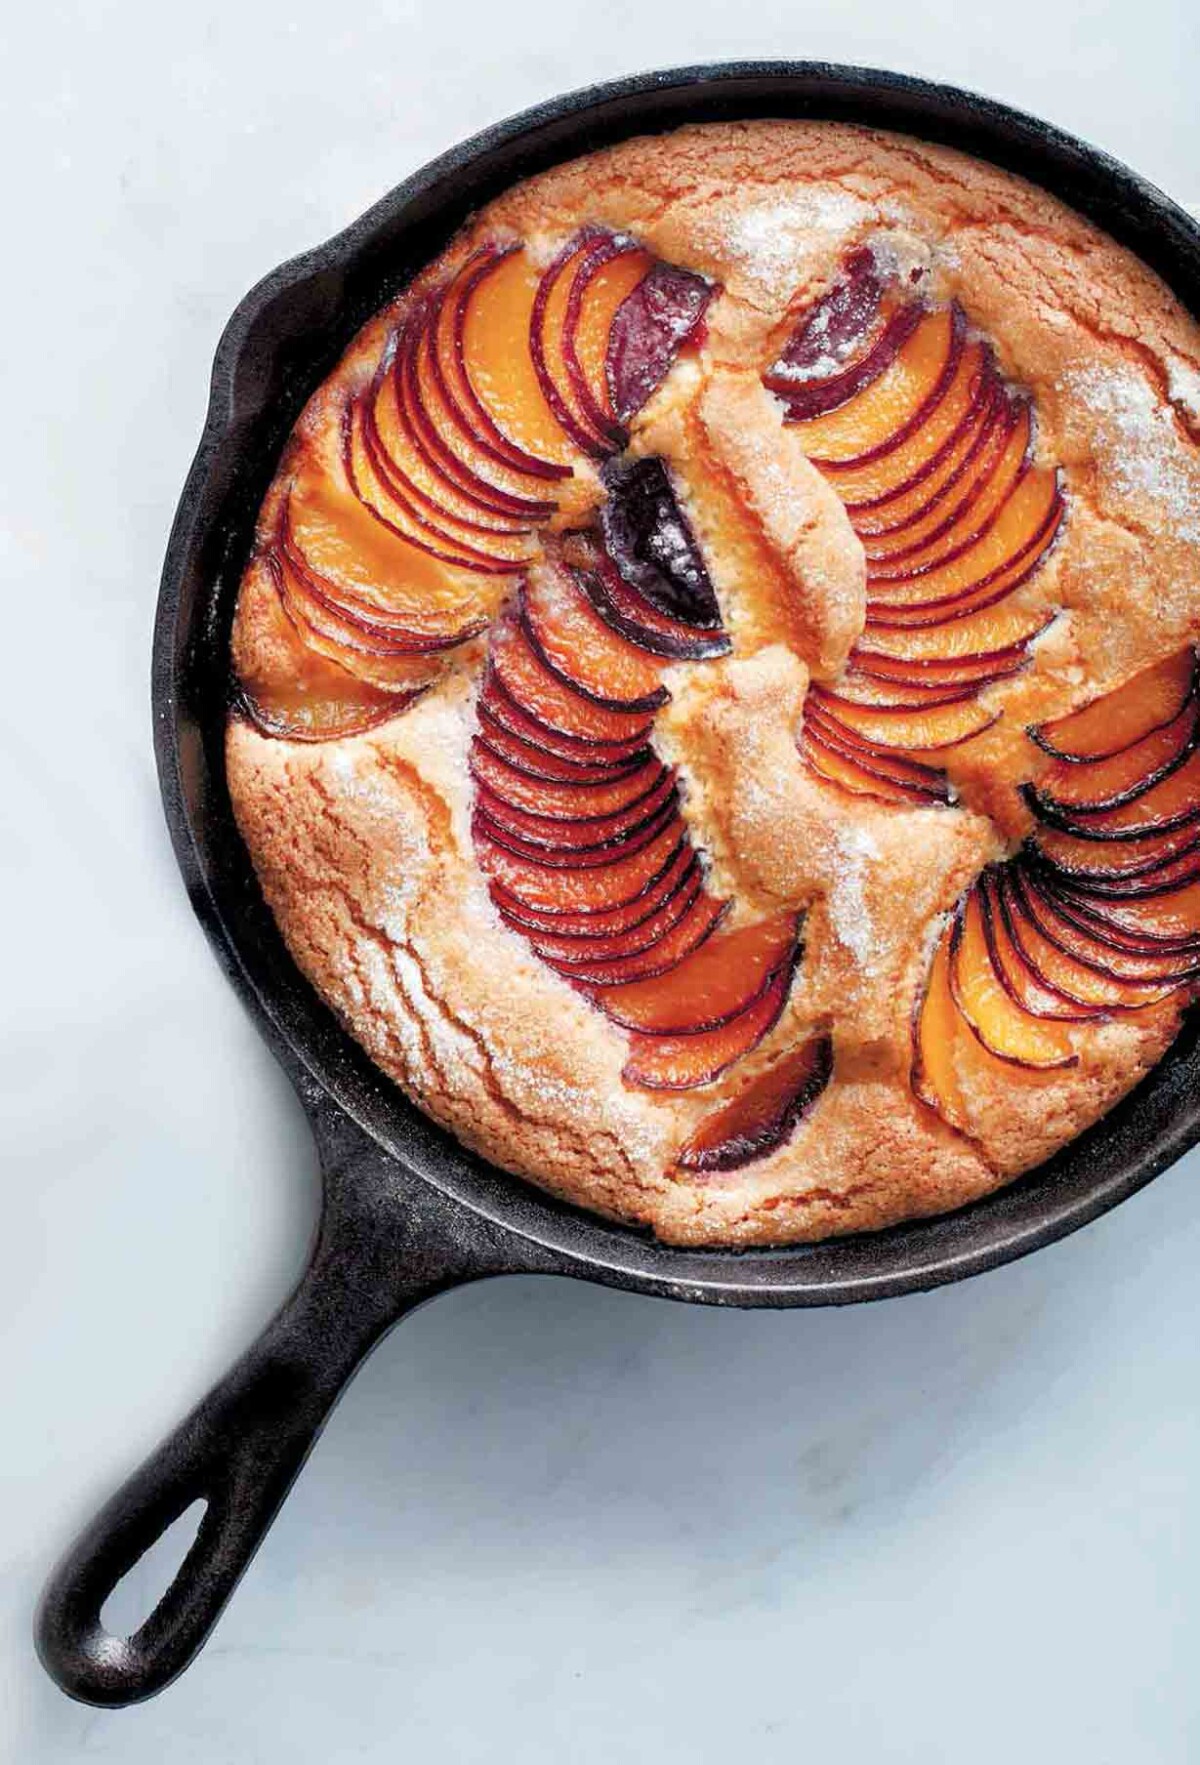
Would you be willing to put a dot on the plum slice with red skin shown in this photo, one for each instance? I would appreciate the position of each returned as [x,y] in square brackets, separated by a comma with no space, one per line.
[453,376]
[401,515]
[1148,702]
[570,799]
[911,780]
[584,834]
[417,396]
[841,321]
[661,316]
[764,1115]
[586,854]
[603,251]
[1139,979]
[542,888]
[581,650]
[547,324]
[834,766]
[677,867]
[923,493]
[550,700]
[1173,805]
[1119,779]
[651,544]
[682,1063]
[538,762]
[816,398]
[691,929]
[629,614]
[1024,983]
[500,709]
[1000,1026]
[716,983]
[571,951]
[988,591]
[1098,921]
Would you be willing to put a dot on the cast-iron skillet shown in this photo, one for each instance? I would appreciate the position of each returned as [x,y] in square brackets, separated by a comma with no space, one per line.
[407,1212]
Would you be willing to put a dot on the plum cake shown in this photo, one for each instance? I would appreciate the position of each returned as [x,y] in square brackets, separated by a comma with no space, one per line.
[715,705]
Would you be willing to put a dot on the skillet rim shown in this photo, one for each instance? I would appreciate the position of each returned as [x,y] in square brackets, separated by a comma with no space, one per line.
[318,299]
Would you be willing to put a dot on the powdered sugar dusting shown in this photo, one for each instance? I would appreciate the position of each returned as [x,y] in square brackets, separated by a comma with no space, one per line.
[1138,447]
[768,239]
[848,910]
[1183,387]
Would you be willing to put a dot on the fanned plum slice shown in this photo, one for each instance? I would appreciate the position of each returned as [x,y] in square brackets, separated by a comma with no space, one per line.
[547,332]
[632,617]
[887,409]
[979,502]
[536,761]
[1026,523]
[935,1038]
[689,932]
[650,541]
[391,429]
[400,514]
[858,688]
[500,710]
[716,983]
[1090,983]
[813,399]
[1100,861]
[447,442]
[912,777]
[550,700]
[287,688]
[576,833]
[975,634]
[765,1114]
[1093,948]
[559,853]
[565,799]
[605,277]
[861,779]
[492,340]
[390,667]
[900,485]
[931,729]
[542,888]
[837,330]
[681,1063]
[450,365]
[572,952]
[1159,919]
[919,510]
[1026,985]
[1120,718]
[1168,807]
[1072,787]
[661,316]
[938,672]
[676,872]
[999,1025]
[581,650]
[363,567]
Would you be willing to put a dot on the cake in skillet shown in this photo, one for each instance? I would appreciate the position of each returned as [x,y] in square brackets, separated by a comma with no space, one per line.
[716,707]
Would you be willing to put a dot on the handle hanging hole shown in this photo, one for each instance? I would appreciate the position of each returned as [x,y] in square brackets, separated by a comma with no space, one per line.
[140,1590]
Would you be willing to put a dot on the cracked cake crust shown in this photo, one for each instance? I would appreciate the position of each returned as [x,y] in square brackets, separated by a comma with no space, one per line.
[363,844]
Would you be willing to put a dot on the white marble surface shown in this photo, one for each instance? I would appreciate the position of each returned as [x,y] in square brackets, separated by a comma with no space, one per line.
[548,1522]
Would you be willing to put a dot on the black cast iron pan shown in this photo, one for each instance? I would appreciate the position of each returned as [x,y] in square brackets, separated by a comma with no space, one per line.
[407,1212]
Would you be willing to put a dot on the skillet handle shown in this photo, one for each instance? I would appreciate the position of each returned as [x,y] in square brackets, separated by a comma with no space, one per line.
[241,1447]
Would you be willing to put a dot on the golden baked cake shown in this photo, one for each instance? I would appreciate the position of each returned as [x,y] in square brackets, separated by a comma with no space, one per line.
[716,709]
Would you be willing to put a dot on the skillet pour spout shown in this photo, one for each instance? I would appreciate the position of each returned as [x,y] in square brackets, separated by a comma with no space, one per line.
[408,1213]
